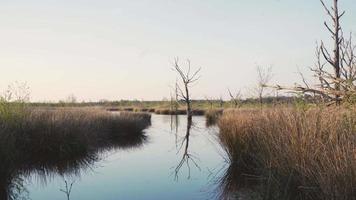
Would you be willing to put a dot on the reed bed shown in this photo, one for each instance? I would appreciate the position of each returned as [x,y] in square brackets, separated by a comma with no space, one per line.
[159,110]
[212,116]
[60,140]
[57,134]
[294,153]
[150,110]
[195,112]
[168,111]
[140,110]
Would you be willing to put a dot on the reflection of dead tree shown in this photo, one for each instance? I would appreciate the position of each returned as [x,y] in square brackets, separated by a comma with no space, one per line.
[188,78]
[174,126]
[68,189]
[235,98]
[187,158]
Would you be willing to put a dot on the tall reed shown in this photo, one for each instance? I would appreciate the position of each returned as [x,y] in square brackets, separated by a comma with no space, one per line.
[296,154]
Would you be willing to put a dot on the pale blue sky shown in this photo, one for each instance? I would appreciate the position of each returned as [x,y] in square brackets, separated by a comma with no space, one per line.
[116,49]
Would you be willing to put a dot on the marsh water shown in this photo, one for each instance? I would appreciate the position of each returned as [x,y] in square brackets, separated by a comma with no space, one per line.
[173,160]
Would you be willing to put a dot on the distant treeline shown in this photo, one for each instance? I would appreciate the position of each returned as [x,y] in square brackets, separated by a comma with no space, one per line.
[167,103]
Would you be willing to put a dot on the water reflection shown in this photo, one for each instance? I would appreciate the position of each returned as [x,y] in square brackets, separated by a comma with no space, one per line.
[13,172]
[68,188]
[239,182]
[174,123]
[230,183]
[148,173]
[187,158]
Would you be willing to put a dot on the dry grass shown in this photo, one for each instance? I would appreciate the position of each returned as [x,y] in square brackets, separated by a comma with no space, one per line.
[195,112]
[212,116]
[61,140]
[296,154]
[164,111]
[56,134]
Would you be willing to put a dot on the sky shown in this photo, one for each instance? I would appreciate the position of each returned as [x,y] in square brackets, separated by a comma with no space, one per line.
[124,49]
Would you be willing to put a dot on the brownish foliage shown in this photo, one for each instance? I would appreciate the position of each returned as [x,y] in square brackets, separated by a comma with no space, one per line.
[308,153]
[212,116]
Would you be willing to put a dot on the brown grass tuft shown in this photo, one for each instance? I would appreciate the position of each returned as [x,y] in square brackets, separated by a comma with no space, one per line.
[310,154]
[212,116]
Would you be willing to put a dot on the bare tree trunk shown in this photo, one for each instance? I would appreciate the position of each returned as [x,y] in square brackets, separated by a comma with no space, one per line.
[221,102]
[339,82]
[236,99]
[210,102]
[176,105]
[264,76]
[337,37]
[188,102]
[337,48]
[187,78]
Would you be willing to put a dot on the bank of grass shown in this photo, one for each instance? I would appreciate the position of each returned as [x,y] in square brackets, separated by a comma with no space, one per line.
[167,111]
[212,116]
[200,107]
[60,140]
[30,135]
[294,153]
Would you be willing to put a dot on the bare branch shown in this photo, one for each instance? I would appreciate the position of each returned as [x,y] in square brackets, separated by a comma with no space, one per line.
[187,80]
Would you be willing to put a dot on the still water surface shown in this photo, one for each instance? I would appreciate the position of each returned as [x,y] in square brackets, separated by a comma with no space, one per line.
[162,166]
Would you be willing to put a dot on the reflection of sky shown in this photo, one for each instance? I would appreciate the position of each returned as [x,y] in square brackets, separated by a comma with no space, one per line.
[147,172]
[119,48]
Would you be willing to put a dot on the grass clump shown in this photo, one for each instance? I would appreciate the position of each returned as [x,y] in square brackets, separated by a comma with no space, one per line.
[212,116]
[295,154]
[163,111]
[30,135]
[47,133]
[60,140]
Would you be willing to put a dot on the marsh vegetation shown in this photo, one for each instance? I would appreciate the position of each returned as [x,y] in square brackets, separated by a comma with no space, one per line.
[297,146]
[60,139]
[293,153]
[124,164]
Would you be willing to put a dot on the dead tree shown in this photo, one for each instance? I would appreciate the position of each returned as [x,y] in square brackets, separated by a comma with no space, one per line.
[348,61]
[336,34]
[235,99]
[174,104]
[175,107]
[319,67]
[341,83]
[176,98]
[210,102]
[17,92]
[221,102]
[338,85]
[188,78]
[264,76]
